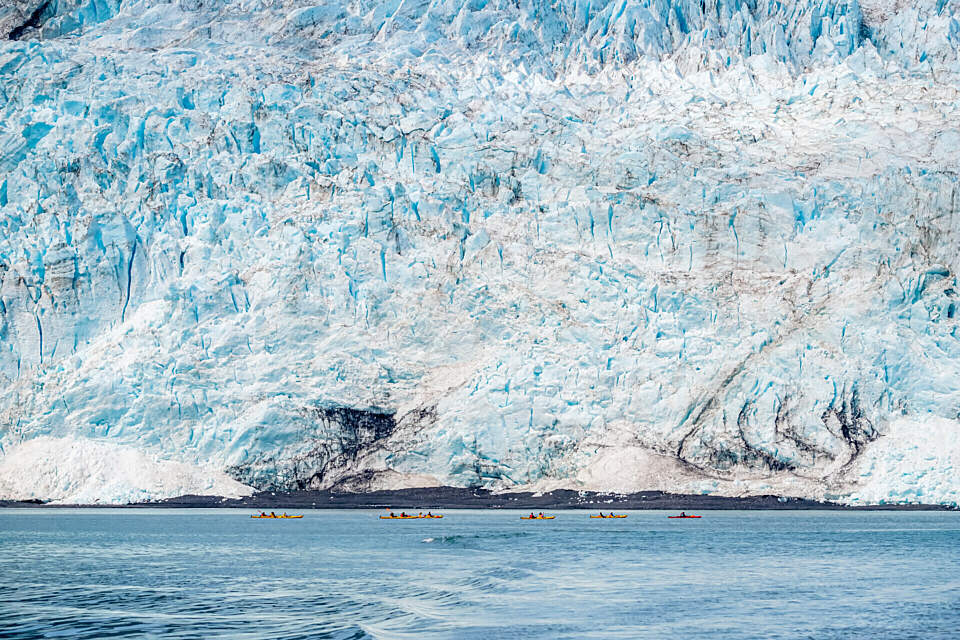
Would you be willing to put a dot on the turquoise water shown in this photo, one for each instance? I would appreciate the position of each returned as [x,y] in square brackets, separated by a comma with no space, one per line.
[478,574]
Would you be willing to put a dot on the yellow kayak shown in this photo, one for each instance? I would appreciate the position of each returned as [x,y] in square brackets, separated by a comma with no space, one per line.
[537,517]
[276,517]
[605,517]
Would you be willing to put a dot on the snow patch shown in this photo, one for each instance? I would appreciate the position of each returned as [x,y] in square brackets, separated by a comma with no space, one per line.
[918,461]
[84,471]
[629,469]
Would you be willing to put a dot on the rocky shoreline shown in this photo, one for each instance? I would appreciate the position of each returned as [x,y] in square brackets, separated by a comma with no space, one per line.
[460,498]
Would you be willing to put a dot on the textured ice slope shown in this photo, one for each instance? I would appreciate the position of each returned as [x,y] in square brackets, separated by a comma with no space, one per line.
[625,245]
[82,471]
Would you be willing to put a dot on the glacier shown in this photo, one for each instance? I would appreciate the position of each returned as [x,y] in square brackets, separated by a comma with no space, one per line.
[702,246]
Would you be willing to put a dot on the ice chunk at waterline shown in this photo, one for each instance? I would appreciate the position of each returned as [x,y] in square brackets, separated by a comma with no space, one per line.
[616,246]
[81,471]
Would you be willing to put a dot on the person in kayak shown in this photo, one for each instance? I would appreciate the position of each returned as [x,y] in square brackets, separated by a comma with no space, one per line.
[262,515]
[540,515]
[532,516]
[273,515]
[683,514]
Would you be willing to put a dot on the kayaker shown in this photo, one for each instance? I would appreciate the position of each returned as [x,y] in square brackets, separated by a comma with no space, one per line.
[683,514]
[273,515]
[541,515]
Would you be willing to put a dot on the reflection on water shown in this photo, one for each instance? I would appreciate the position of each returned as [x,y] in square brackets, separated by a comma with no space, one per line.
[347,574]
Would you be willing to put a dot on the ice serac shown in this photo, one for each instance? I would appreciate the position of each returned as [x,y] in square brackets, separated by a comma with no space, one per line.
[705,246]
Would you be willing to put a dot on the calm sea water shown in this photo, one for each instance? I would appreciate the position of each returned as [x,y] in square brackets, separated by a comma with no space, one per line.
[478,574]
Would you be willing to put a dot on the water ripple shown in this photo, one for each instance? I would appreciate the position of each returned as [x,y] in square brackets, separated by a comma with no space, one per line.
[339,576]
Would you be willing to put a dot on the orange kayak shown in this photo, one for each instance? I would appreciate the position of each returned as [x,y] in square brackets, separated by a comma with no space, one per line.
[537,517]
[276,517]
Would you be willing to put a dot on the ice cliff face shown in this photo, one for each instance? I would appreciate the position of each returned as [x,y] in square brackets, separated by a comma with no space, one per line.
[681,245]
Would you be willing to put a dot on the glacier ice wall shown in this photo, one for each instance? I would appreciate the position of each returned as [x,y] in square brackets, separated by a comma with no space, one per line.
[658,244]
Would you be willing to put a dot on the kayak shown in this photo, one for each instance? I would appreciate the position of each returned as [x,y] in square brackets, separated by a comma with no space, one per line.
[410,517]
[276,517]
[684,516]
[537,517]
[605,517]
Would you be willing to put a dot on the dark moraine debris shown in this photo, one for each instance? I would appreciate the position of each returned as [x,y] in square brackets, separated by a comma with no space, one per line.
[464,498]
[359,429]
[331,439]
[30,502]
[33,21]
[847,421]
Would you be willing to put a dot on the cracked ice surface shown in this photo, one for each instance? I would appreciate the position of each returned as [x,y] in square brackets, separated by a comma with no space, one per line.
[623,246]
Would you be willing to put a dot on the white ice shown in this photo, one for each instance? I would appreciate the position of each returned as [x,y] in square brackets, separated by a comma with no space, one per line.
[618,245]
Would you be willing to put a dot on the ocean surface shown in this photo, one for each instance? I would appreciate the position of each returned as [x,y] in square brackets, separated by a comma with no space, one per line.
[141,573]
